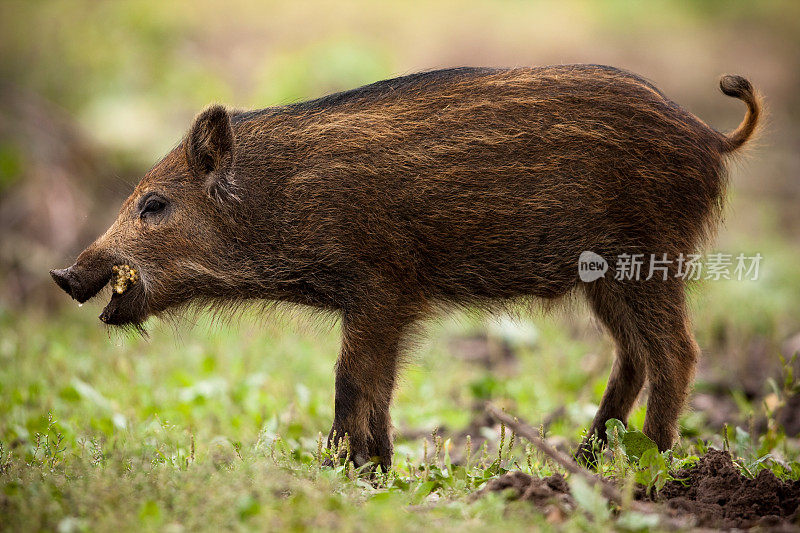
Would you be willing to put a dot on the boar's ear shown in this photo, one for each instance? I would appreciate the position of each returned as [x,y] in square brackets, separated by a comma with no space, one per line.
[210,151]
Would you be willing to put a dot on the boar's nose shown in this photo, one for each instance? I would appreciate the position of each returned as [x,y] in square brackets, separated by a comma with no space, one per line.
[63,278]
[82,280]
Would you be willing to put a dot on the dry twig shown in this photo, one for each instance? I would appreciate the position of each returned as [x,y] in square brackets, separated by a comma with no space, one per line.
[608,490]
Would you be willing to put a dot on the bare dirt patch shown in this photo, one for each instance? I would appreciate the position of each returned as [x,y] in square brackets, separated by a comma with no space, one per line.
[713,493]
[550,494]
[718,495]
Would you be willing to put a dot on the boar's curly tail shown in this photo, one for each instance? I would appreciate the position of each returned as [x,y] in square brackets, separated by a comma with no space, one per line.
[740,88]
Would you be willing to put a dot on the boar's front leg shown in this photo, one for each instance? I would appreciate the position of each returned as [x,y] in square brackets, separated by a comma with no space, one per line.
[365,377]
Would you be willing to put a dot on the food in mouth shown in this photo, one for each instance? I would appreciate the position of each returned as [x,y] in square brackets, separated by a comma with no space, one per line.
[124,278]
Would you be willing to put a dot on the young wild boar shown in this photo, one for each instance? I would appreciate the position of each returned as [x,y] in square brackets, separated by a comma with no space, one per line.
[459,187]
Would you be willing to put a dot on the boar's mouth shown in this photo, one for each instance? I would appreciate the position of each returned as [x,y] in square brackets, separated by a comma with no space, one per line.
[83,282]
[126,309]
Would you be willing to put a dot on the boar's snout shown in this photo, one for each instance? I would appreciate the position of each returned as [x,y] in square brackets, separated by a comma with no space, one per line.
[82,281]
[62,278]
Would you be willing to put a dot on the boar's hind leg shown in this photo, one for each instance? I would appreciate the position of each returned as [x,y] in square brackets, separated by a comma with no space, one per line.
[672,354]
[365,377]
[649,323]
[628,372]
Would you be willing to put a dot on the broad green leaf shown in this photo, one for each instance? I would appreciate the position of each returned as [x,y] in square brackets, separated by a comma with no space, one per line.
[653,471]
[422,491]
[636,443]
[743,440]
[615,431]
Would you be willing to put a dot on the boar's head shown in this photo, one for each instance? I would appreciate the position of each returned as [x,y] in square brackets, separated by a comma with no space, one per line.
[171,230]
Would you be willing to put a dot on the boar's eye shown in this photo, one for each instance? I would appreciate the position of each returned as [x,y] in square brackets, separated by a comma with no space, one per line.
[150,205]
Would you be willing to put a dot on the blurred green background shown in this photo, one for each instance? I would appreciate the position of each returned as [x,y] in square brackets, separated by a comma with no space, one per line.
[92,93]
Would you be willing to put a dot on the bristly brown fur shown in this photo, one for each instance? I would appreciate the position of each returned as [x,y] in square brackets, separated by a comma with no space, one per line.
[461,187]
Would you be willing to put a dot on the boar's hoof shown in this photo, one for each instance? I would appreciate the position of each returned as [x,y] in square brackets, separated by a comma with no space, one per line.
[368,458]
[586,454]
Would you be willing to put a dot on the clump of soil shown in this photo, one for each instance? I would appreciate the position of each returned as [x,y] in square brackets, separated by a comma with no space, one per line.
[713,493]
[718,495]
[550,494]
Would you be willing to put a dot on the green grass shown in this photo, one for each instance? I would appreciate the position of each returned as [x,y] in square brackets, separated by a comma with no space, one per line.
[220,426]
[122,432]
